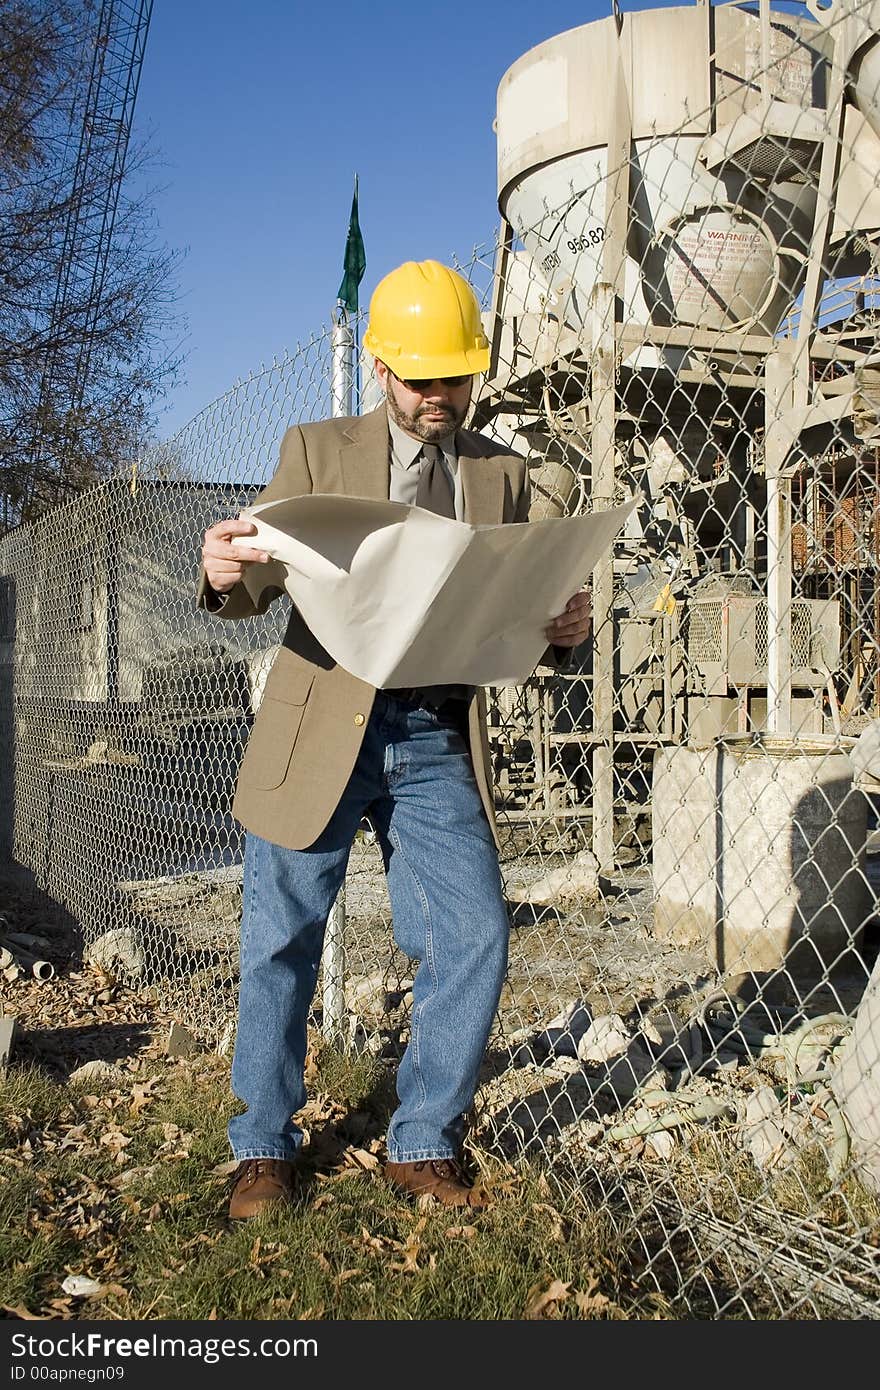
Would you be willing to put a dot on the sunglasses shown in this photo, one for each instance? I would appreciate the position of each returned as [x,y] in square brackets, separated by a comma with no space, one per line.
[421,383]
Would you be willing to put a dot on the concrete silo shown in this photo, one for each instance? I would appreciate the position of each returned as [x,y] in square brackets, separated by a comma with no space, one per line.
[682,190]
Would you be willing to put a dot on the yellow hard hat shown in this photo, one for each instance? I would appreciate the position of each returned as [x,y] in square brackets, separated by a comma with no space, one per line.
[425,322]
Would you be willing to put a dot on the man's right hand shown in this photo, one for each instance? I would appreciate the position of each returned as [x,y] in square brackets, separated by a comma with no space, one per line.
[224,561]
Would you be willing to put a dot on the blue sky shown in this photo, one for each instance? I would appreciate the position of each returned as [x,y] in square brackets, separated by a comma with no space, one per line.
[261,113]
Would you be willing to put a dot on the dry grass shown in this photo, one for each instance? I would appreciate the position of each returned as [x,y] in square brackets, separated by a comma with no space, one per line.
[119,1183]
[123,1182]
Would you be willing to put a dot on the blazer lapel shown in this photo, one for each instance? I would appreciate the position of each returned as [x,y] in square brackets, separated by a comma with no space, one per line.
[482,483]
[364,456]
[364,462]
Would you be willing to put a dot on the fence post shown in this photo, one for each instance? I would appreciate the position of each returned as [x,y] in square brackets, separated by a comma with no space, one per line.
[333,955]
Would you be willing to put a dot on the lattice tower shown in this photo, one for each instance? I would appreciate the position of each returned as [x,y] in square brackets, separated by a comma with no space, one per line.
[113,50]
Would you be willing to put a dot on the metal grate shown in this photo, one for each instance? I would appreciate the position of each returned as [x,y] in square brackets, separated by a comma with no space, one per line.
[704,632]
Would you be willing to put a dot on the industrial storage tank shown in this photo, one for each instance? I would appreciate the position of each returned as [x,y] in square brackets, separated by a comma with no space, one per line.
[718,121]
[864,69]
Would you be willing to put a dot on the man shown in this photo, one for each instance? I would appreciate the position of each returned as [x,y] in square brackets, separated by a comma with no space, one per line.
[327,747]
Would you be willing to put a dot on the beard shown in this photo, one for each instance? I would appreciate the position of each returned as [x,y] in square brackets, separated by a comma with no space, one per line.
[429,431]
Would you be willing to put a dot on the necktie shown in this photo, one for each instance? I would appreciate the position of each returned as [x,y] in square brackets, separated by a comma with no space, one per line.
[433,492]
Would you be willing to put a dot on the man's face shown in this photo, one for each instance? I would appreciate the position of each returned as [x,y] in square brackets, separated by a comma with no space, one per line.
[429,413]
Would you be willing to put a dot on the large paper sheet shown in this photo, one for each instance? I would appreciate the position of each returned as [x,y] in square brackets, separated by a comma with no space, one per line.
[399,596]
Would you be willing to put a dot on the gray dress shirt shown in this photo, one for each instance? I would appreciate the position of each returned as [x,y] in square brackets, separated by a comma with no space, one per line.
[406,466]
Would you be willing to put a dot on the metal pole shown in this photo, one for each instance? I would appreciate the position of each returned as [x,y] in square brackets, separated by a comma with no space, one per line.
[779,391]
[765,52]
[603,403]
[342,366]
[333,963]
[603,408]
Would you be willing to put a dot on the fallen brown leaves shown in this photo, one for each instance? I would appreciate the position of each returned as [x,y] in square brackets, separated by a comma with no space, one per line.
[540,1299]
[120,1131]
[19,1311]
[546,1300]
[177,1143]
[68,1021]
[143,1095]
[82,1014]
[115,1140]
[361,1158]
[410,1250]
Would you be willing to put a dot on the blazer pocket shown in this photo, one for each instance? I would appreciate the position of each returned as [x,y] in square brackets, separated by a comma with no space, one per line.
[275,730]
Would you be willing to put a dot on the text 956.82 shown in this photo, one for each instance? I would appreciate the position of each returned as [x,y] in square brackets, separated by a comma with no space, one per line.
[594,237]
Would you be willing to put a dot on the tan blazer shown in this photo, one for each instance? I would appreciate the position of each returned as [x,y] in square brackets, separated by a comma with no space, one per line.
[310,724]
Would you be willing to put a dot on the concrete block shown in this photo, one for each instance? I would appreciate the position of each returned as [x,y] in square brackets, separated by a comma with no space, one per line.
[8,1026]
[181,1042]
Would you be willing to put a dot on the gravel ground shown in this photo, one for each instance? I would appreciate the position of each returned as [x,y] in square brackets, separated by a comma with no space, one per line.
[597,948]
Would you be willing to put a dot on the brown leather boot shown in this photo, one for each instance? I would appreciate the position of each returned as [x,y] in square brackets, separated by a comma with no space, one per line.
[444,1179]
[261,1183]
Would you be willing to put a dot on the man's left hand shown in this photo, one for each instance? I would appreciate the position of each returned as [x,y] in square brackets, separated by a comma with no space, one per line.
[573,625]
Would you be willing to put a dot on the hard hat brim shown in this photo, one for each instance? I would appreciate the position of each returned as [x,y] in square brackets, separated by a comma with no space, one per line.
[471,362]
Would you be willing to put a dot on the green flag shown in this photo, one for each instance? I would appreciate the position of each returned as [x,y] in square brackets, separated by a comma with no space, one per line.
[355,259]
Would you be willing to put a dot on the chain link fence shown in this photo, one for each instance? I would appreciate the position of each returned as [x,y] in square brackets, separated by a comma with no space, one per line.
[683,306]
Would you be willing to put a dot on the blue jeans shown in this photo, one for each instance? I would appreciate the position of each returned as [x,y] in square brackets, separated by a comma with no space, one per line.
[414,776]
